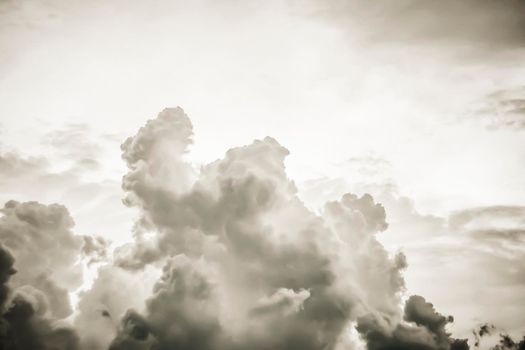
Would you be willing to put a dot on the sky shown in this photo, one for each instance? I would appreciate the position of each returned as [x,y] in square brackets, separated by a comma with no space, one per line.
[419,103]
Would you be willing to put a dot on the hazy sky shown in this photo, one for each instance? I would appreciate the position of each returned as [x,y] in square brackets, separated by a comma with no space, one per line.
[403,80]
[419,102]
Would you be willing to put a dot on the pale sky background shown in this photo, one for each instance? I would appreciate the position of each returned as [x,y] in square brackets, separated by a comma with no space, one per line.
[420,102]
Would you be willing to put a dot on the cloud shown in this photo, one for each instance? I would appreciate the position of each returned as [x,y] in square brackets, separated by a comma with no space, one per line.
[482,331]
[13,165]
[424,329]
[476,251]
[495,216]
[422,313]
[502,109]
[46,250]
[27,316]
[506,342]
[95,248]
[227,256]
[107,300]
[6,271]
[284,301]
[246,264]
[75,143]
[86,193]
[30,326]
[465,24]
[38,243]
[365,214]
[134,334]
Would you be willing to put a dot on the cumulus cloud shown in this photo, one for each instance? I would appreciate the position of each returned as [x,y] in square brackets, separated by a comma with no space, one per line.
[95,248]
[422,313]
[246,264]
[68,173]
[108,299]
[424,329]
[507,343]
[27,319]
[46,250]
[134,334]
[464,24]
[224,257]
[507,216]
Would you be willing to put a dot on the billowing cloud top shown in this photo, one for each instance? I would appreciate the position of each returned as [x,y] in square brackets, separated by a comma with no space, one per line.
[246,264]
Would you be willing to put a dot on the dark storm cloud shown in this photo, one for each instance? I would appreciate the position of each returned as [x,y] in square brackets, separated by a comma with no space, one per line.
[487,24]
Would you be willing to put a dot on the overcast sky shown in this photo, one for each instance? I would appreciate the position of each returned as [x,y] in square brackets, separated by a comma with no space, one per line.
[420,103]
